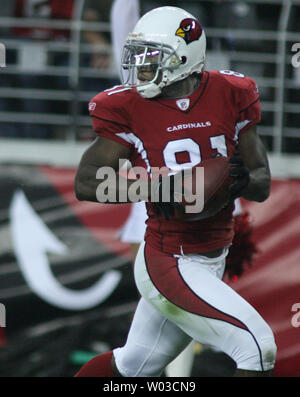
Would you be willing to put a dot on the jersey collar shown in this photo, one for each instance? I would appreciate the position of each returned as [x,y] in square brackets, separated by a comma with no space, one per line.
[185,104]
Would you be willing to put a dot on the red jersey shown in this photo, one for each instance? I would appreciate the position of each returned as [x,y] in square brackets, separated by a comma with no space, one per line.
[177,133]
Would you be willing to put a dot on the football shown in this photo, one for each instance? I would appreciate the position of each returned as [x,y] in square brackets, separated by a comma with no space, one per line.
[215,188]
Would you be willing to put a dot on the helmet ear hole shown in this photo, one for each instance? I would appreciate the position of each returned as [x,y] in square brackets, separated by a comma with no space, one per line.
[183,60]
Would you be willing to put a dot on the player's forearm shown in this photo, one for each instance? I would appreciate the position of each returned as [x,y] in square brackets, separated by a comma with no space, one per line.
[113,189]
[85,184]
[258,188]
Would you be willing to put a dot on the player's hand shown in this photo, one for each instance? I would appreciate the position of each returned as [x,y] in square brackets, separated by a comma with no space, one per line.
[240,172]
[169,196]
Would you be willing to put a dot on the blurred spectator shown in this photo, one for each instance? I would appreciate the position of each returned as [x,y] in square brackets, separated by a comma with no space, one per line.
[43,9]
[33,58]
[96,11]
[98,58]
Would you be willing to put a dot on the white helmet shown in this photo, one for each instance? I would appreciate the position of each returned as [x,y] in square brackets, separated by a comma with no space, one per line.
[171,42]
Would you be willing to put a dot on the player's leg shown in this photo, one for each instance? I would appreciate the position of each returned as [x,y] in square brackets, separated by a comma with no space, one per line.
[153,342]
[245,373]
[183,364]
[205,307]
[133,232]
[98,367]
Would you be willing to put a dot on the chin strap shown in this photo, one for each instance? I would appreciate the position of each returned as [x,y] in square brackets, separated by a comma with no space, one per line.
[150,90]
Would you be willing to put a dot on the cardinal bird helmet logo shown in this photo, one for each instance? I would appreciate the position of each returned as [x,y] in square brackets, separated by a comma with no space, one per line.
[190,30]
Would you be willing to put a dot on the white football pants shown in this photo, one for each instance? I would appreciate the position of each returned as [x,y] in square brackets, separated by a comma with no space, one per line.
[161,329]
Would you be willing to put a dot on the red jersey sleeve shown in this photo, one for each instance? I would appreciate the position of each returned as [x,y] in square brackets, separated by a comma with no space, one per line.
[242,92]
[247,105]
[110,118]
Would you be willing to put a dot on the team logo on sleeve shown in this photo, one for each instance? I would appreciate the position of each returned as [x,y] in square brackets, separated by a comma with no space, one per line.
[92,106]
[190,30]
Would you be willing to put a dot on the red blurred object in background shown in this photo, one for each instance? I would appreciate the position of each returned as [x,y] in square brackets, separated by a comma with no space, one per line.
[51,9]
[243,248]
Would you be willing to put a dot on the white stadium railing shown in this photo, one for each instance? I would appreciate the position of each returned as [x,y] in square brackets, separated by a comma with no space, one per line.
[68,155]
[283,78]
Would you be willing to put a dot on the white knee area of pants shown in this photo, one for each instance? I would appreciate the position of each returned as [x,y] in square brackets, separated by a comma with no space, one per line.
[141,358]
[249,352]
[152,343]
[130,363]
[137,360]
[269,350]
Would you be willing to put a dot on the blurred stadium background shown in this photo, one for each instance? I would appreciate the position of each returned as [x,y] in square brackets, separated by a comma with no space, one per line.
[65,279]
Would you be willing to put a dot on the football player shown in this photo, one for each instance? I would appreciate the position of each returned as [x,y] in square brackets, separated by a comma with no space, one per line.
[124,16]
[177,115]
